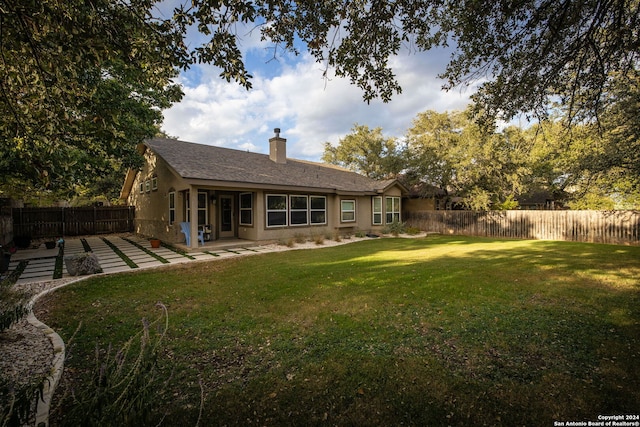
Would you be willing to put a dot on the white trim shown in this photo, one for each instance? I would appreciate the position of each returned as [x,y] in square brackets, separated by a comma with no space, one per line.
[285,210]
[312,210]
[305,210]
[250,209]
[343,211]
[373,210]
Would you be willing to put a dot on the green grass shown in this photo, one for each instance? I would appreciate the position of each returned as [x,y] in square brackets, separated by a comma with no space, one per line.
[431,331]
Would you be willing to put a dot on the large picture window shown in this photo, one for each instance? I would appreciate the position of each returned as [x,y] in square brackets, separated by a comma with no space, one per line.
[393,209]
[276,210]
[377,211]
[318,209]
[347,210]
[246,208]
[299,210]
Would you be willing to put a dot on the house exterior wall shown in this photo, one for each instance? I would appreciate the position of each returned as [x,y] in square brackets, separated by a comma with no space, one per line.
[158,181]
[152,204]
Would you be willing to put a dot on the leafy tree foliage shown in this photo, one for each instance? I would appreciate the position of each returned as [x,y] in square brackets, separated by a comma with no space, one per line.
[449,150]
[527,51]
[366,151]
[81,83]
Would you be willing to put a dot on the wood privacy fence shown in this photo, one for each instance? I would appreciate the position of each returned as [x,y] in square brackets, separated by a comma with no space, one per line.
[614,227]
[57,222]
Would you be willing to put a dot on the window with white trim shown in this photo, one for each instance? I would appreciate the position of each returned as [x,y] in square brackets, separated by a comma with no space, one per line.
[142,187]
[298,210]
[172,207]
[203,208]
[377,210]
[318,212]
[147,185]
[276,210]
[246,208]
[154,183]
[393,209]
[347,210]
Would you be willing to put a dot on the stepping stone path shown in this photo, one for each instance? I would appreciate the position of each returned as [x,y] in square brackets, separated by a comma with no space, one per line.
[115,253]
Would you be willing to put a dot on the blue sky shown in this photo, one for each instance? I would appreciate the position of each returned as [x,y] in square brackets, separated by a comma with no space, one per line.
[291,94]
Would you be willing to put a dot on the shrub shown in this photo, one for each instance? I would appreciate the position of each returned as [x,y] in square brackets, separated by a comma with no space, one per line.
[18,406]
[412,231]
[395,228]
[123,383]
[300,238]
[13,301]
[318,239]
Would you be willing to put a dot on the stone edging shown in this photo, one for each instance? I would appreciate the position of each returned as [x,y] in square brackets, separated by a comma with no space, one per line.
[50,384]
[42,414]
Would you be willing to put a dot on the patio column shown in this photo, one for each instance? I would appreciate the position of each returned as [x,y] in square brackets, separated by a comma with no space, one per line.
[193,207]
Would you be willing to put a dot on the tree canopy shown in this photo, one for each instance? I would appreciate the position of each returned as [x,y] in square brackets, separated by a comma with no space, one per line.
[450,151]
[81,82]
[366,151]
[586,166]
[528,52]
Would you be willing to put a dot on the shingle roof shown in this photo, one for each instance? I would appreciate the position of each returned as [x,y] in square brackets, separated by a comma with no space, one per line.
[206,162]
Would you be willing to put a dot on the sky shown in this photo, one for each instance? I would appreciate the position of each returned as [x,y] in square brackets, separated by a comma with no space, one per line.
[290,93]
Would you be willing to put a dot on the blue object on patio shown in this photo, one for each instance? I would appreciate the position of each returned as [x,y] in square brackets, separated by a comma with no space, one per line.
[185,227]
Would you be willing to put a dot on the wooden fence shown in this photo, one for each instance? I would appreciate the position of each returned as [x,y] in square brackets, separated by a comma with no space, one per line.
[57,222]
[614,227]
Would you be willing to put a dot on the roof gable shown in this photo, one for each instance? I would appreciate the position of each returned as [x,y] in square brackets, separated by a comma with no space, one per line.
[206,162]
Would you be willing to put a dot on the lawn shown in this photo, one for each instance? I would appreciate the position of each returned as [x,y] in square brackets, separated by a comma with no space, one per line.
[427,331]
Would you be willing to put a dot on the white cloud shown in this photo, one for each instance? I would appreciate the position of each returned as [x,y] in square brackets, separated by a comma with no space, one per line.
[308,109]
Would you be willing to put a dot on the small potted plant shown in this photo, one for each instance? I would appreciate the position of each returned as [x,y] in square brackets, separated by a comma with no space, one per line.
[155,242]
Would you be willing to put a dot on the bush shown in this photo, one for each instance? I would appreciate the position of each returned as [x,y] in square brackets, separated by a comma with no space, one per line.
[395,228]
[13,304]
[122,387]
[18,406]
[300,238]
[318,238]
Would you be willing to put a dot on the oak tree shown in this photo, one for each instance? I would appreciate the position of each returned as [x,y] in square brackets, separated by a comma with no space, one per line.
[366,151]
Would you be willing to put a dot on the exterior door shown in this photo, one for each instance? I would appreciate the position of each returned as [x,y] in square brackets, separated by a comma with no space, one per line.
[227,216]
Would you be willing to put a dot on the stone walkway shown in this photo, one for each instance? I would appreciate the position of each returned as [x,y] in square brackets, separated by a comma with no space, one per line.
[115,254]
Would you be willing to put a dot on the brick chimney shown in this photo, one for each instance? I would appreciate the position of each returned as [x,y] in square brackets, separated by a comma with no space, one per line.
[278,148]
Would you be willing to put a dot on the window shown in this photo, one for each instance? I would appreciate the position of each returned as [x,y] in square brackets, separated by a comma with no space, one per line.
[393,209]
[347,210]
[141,187]
[298,211]
[147,186]
[187,204]
[172,207]
[276,210]
[154,183]
[203,211]
[318,209]
[377,211]
[246,208]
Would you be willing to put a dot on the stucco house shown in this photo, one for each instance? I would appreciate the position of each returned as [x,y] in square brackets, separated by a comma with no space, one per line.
[228,193]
